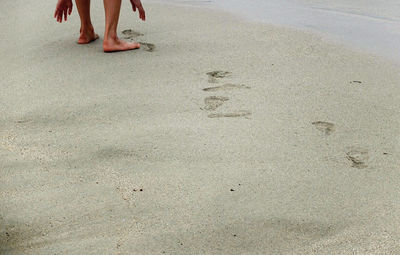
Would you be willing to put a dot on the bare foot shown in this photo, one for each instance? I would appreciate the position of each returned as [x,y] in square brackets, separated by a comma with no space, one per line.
[87,36]
[111,45]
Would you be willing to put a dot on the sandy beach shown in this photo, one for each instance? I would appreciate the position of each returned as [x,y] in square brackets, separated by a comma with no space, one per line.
[218,136]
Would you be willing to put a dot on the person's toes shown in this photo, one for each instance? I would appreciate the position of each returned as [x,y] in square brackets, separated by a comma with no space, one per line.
[136,45]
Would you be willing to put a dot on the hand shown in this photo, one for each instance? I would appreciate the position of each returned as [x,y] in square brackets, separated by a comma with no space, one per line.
[64,7]
[137,4]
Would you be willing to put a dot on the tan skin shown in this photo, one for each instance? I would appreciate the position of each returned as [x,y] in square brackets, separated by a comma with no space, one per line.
[112,9]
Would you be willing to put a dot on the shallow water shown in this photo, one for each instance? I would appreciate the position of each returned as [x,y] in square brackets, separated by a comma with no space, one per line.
[366,24]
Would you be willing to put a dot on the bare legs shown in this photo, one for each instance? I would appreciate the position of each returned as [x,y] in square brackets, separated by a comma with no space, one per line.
[112,9]
[87,33]
[111,41]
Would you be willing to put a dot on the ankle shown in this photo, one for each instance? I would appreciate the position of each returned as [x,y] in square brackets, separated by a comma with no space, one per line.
[112,36]
[87,29]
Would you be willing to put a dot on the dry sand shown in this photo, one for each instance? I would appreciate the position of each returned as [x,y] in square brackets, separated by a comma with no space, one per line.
[218,137]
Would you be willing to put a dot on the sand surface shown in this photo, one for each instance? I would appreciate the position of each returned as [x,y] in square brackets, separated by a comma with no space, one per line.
[371,25]
[217,137]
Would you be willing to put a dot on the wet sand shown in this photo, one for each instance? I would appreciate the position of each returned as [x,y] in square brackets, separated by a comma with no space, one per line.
[369,25]
[218,136]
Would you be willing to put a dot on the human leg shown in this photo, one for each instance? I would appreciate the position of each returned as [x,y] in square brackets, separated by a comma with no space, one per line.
[87,33]
[111,41]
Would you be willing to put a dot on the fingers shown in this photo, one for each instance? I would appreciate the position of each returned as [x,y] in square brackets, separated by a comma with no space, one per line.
[62,13]
[136,4]
[58,17]
[142,14]
[133,5]
[70,9]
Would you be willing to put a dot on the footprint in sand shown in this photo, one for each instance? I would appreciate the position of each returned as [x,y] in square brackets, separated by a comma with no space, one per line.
[130,34]
[21,121]
[227,86]
[214,75]
[213,102]
[325,127]
[147,46]
[358,157]
[241,113]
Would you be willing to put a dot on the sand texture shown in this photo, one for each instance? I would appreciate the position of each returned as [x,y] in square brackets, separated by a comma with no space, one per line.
[216,137]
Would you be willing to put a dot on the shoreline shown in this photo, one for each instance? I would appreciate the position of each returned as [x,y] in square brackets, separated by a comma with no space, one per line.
[359,31]
[222,137]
